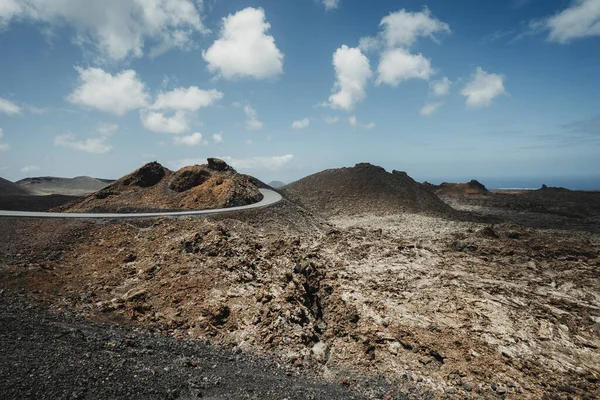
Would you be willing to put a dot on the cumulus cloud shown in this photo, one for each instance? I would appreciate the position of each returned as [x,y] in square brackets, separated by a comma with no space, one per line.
[329,120]
[252,121]
[368,43]
[244,48]
[330,4]
[352,72]
[29,168]
[440,87]
[114,29]
[580,20]
[95,145]
[398,65]
[90,145]
[429,108]
[483,88]
[218,138]
[403,28]
[195,139]
[115,94]
[3,146]
[186,99]
[301,124]
[369,126]
[8,107]
[158,122]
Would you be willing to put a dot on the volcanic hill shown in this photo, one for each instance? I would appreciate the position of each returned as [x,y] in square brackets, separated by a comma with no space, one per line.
[156,188]
[8,188]
[472,187]
[364,189]
[46,185]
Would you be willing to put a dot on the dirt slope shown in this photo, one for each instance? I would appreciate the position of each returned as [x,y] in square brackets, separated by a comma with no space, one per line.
[46,185]
[8,188]
[154,187]
[364,189]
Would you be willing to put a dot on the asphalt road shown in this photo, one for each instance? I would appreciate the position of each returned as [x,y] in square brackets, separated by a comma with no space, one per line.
[270,197]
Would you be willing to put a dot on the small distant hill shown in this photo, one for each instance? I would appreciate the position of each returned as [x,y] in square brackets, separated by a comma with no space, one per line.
[276,184]
[8,188]
[364,189]
[46,185]
[154,187]
[469,188]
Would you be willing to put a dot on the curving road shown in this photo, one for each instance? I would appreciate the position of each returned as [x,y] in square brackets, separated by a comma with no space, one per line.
[270,197]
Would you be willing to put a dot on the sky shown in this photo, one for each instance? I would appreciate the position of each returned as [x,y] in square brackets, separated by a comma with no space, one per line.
[500,91]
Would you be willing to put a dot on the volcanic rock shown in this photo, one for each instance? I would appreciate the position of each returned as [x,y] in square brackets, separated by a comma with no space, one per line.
[472,187]
[364,189]
[8,188]
[155,188]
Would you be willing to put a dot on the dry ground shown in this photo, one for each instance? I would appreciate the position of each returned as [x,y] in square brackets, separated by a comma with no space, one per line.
[440,308]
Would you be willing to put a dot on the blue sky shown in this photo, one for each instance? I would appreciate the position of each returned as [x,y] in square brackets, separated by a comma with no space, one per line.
[281,89]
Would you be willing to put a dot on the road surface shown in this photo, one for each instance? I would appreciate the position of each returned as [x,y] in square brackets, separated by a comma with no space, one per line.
[270,197]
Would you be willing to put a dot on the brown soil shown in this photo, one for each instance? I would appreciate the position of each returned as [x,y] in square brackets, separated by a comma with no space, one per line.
[455,308]
[154,188]
[364,189]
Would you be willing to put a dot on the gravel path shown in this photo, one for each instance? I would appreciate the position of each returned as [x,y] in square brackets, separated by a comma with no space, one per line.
[52,355]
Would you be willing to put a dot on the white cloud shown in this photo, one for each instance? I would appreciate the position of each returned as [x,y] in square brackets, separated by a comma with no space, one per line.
[329,120]
[301,124]
[195,139]
[398,65]
[115,29]
[115,94]
[248,142]
[483,88]
[30,168]
[441,87]
[369,43]
[90,145]
[244,49]
[330,4]
[158,122]
[252,121]
[580,20]
[369,126]
[352,72]
[9,107]
[105,129]
[218,138]
[190,99]
[403,28]
[3,146]
[429,108]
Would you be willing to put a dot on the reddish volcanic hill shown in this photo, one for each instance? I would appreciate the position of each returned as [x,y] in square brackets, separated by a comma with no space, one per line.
[364,189]
[154,187]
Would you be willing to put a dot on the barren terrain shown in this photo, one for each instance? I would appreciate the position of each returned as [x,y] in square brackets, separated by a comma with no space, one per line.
[389,305]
